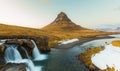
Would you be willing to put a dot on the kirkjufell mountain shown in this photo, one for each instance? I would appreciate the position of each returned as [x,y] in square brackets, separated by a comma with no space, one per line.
[62,19]
[62,22]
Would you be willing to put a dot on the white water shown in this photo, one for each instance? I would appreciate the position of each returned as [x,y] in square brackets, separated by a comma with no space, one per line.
[26,52]
[36,53]
[12,55]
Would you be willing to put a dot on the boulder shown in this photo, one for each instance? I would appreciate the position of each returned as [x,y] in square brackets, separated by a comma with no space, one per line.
[13,67]
[29,46]
[2,50]
[42,44]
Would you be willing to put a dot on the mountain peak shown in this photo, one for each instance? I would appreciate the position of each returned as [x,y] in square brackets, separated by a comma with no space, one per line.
[62,15]
[62,22]
[62,19]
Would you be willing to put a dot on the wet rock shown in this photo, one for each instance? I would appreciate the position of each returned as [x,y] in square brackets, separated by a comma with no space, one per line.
[29,46]
[42,44]
[2,50]
[13,67]
[25,46]
[14,42]
[92,68]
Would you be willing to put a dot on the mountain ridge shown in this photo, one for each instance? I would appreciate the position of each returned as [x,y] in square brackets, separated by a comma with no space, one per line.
[62,22]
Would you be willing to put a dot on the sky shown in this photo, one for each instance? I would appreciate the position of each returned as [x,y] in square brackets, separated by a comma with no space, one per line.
[39,13]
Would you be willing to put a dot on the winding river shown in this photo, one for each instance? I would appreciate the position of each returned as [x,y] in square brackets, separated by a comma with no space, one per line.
[60,59]
[66,59]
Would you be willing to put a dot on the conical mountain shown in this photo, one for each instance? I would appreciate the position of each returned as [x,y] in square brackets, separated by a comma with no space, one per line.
[62,22]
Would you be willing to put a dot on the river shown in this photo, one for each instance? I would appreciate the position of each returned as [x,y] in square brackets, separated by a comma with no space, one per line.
[60,59]
[66,59]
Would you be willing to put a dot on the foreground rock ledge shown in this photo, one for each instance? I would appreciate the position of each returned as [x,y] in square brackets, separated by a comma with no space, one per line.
[13,67]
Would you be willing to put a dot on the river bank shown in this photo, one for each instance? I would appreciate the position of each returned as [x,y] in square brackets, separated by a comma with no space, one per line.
[85,57]
[81,41]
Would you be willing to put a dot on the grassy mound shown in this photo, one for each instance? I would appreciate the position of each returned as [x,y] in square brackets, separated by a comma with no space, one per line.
[86,59]
[86,56]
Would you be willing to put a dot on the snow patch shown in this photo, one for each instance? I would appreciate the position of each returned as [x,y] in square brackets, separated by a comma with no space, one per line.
[68,41]
[110,56]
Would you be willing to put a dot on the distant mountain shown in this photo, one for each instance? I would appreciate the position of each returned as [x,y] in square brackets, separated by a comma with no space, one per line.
[62,22]
[116,29]
[63,28]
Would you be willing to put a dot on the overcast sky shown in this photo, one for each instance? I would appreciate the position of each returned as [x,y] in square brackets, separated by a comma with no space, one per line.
[38,13]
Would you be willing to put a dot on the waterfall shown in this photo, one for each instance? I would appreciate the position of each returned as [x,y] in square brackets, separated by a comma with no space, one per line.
[12,55]
[36,54]
[26,52]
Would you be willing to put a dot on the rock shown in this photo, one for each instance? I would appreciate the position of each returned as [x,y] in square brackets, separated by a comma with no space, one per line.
[13,67]
[14,41]
[24,46]
[2,50]
[92,68]
[42,44]
[29,46]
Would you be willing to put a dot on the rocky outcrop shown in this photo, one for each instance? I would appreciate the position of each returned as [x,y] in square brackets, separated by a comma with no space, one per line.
[62,22]
[2,50]
[42,44]
[13,67]
[62,19]
[23,44]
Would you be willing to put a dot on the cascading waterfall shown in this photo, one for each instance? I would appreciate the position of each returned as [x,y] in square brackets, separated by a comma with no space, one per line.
[12,55]
[26,52]
[36,53]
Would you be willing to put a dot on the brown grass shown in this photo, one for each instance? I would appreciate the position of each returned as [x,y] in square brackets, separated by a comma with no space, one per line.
[86,58]
[116,43]
[54,32]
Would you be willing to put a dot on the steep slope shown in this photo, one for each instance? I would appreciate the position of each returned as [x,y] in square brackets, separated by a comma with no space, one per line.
[63,28]
[62,23]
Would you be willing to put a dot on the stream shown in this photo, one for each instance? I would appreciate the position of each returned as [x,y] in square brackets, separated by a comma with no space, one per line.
[66,59]
[58,59]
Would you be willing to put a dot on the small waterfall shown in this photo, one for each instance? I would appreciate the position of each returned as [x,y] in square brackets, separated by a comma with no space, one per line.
[26,52]
[36,53]
[12,55]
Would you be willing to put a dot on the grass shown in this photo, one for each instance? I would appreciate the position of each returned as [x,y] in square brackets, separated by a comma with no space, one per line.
[57,32]
[54,32]
[6,30]
[86,58]
[116,43]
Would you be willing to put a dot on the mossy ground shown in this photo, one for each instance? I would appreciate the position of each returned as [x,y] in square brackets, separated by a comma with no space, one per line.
[86,58]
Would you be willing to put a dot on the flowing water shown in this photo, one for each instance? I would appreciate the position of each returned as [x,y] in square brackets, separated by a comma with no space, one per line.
[57,59]
[36,54]
[12,55]
[66,59]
